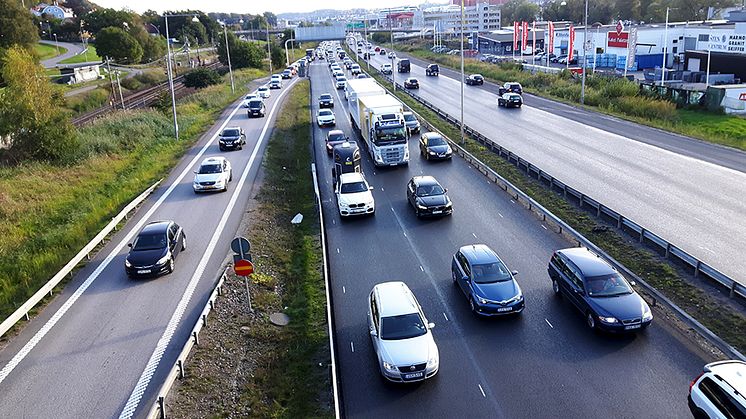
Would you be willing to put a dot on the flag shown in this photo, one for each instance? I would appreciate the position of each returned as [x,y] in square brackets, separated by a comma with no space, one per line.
[571,44]
[524,36]
[515,36]
[533,34]
[550,47]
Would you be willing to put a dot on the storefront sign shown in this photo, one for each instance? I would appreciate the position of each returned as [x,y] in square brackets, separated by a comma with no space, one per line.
[728,43]
[618,40]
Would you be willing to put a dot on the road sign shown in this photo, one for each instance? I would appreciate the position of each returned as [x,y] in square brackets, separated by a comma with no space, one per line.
[356,25]
[742,96]
[240,245]
[619,27]
[243,267]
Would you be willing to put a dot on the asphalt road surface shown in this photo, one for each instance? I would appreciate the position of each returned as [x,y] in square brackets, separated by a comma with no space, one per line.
[542,363]
[686,191]
[93,359]
[72,50]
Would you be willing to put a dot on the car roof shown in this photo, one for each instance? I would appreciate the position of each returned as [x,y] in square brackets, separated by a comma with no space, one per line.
[731,371]
[479,253]
[335,132]
[156,227]
[325,111]
[232,127]
[589,263]
[351,177]
[325,94]
[395,298]
[212,160]
[425,180]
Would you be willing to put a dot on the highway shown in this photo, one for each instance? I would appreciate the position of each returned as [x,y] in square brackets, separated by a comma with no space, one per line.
[542,363]
[687,191]
[104,346]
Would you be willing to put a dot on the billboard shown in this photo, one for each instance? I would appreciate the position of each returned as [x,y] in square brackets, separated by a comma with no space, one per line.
[618,39]
[320,33]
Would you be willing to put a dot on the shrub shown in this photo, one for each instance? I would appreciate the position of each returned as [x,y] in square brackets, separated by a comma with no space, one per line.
[620,88]
[85,102]
[151,77]
[643,107]
[131,83]
[201,77]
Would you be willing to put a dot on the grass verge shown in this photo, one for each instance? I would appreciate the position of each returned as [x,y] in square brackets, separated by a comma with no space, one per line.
[723,320]
[46,51]
[48,213]
[84,57]
[276,372]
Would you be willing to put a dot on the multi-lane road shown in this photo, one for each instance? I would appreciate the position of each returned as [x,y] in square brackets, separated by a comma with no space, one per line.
[543,363]
[105,345]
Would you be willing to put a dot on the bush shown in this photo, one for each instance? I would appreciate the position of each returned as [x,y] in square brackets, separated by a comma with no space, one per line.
[620,88]
[642,107]
[201,78]
[151,77]
[131,83]
[85,102]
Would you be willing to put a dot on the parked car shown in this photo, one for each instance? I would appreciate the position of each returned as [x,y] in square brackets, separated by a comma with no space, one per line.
[333,138]
[256,108]
[510,100]
[232,138]
[213,174]
[486,281]
[401,335]
[433,146]
[326,101]
[602,294]
[263,92]
[720,391]
[154,249]
[474,79]
[411,83]
[557,58]
[325,117]
[428,197]
[386,69]
[413,125]
[354,195]
[432,70]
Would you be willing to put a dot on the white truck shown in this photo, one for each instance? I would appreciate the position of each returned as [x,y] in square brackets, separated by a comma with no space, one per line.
[361,87]
[380,120]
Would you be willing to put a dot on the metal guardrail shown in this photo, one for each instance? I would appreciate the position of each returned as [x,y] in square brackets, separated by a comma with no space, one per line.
[158,410]
[22,311]
[566,229]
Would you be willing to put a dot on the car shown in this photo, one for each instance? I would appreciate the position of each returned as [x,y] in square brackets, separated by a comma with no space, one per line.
[366,56]
[512,87]
[263,92]
[411,83]
[377,49]
[286,74]
[153,251]
[486,281]
[428,197]
[401,335]
[354,195]
[382,51]
[326,101]
[340,82]
[248,98]
[386,69]
[355,69]
[213,174]
[325,117]
[598,291]
[232,138]
[392,54]
[275,84]
[333,138]
[337,73]
[510,100]
[474,79]
[332,62]
[434,147]
[720,391]
[362,76]
[557,58]
[256,108]
[432,70]
[413,125]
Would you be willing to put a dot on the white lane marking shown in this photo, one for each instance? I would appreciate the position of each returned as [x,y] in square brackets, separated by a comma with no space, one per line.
[134,400]
[550,324]
[512,202]
[382,189]
[444,315]
[422,269]
[405,233]
[543,226]
[709,250]
[7,369]
[482,390]
[392,209]
[475,236]
[338,250]
[698,219]
[501,216]
[344,291]
[352,346]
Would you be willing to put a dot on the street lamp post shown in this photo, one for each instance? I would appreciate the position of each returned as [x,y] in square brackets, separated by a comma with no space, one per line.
[585,54]
[56,44]
[287,57]
[463,139]
[665,49]
[228,55]
[391,52]
[169,68]
[269,50]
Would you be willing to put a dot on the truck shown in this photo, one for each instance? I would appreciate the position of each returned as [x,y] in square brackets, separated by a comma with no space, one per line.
[403,66]
[361,87]
[380,120]
[309,54]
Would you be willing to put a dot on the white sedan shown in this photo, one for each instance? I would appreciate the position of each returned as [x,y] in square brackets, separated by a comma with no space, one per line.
[325,117]
[248,98]
[213,174]
[263,92]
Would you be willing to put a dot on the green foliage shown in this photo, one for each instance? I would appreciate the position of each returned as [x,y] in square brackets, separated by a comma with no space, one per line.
[88,101]
[647,108]
[153,48]
[278,57]
[519,11]
[201,77]
[381,37]
[90,55]
[195,32]
[118,45]
[16,26]
[243,54]
[98,19]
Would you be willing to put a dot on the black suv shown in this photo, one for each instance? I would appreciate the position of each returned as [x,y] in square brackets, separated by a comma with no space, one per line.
[326,101]
[427,197]
[474,79]
[433,146]
[232,138]
[432,70]
[154,249]
[511,87]
[256,108]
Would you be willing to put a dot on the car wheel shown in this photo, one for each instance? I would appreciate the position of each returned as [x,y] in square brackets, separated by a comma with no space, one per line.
[555,287]
[591,321]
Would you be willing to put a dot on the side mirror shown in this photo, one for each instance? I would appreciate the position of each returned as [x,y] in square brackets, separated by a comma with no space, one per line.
[129,244]
[370,188]
[514,273]
[194,171]
[633,283]
[373,333]
[431,325]
[445,189]
[464,278]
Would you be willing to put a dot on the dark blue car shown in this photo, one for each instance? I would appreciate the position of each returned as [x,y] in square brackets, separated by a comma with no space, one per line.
[487,283]
[602,294]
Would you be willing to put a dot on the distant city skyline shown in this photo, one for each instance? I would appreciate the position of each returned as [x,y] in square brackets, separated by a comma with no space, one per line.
[257,7]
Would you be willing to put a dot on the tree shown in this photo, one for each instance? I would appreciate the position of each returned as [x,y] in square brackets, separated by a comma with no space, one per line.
[31,113]
[194,31]
[278,56]
[97,20]
[243,54]
[270,18]
[201,77]
[519,11]
[153,48]
[16,26]
[118,45]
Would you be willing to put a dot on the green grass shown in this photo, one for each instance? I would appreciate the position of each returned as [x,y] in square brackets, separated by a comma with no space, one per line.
[92,55]
[49,213]
[46,51]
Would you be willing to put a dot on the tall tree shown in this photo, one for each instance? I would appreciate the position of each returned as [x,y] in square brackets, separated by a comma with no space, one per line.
[16,26]
[243,54]
[519,11]
[118,45]
[99,19]
[270,18]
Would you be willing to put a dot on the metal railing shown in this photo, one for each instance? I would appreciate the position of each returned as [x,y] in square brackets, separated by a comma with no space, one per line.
[85,252]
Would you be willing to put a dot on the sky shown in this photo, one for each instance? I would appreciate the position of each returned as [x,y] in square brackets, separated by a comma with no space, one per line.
[255,6]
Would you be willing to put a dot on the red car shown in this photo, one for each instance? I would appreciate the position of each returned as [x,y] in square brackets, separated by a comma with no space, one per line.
[378,49]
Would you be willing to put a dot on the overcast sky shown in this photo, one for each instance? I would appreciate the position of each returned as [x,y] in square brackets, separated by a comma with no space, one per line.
[255,6]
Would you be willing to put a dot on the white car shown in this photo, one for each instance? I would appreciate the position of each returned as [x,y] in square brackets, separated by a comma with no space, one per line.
[354,195]
[263,92]
[720,391]
[340,82]
[401,335]
[338,73]
[325,117]
[386,69]
[213,174]
[248,99]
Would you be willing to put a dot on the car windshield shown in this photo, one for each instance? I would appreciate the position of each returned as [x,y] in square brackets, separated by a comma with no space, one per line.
[255,104]
[430,190]
[353,187]
[486,273]
[262,89]
[390,135]
[231,133]
[325,112]
[336,137]
[150,242]
[404,326]
[409,117]
[341,78]
[325,97]
[607,285]
[209,168]
[433,141]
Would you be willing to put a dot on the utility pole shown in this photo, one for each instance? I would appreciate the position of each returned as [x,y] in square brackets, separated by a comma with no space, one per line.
[463,138]
[269,50]
[585,54]
[119,86]
[391,33]
[171,79]
[111,81]
[665,49]
[228,54]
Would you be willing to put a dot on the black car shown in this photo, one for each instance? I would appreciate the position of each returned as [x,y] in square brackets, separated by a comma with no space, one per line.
[326,101]
[232,138]
[286,74]
[602,294]
[511,87]
[486,281]
[432,70]
[474,79]
[256,108]
[154,249]
[382,52]
[334,137]
[433,146]
[411,83]
[510,100]
[427,197]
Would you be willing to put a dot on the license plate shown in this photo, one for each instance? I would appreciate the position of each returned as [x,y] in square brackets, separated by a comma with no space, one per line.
[437,212]
[503,309]
[143,271]
[415,375]
[634,326]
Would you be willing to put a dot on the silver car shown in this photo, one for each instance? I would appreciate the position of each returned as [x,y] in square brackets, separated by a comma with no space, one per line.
[401,335]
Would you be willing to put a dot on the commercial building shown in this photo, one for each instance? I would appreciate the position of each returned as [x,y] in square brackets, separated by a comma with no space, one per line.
[480,17]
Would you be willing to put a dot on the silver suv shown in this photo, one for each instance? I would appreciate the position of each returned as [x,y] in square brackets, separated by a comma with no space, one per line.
[401,335]
[720,391]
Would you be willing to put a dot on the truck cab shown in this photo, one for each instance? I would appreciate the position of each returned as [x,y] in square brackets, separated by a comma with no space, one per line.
[346,160]
[403,66]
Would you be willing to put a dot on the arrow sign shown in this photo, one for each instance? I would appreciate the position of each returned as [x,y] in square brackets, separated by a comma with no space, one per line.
[240,245]
[243,267]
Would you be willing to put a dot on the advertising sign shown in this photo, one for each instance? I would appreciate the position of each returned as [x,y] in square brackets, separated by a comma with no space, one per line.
[550,47]
[632,49]
[618,39]
[515,36]
[571,45]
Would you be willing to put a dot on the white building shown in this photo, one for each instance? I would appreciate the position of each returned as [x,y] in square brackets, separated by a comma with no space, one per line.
[55,10]
[482,17]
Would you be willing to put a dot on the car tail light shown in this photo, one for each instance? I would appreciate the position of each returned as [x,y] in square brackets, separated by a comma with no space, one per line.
[694,381]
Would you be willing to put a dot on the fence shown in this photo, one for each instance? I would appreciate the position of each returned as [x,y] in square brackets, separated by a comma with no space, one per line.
[680,97]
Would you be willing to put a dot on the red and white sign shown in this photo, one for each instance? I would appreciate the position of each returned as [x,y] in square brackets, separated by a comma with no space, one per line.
[550,47]
[571,45]
[243,267]
[619,27]
[533,35]
[742,96]
[618,39]
[524,36]
[515,36]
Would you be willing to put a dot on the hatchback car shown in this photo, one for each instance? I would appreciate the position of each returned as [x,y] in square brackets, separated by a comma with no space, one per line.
[474,79]
[213,174]
[382,51]
[232,138]
[428,197]
[434,147]
[510,100]
[413,125]
[326,101]
[602,294]
[154,249]
[325,117]
[486,281]
[401,335]
[340,82]
[256,108]
[263,92]
[720,391]
[286,74]
[333,138]
[411,83]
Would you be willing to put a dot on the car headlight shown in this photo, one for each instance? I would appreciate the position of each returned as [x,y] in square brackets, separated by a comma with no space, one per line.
[432,153]
[127,263]
[390,368]
[433,361]
[378,157]
[420,206]
[449,150]
[647,315]
[483,300]
[610,320]
[163,260]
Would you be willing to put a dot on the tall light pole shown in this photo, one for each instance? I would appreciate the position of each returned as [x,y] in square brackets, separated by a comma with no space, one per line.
[365,37]
[287,57]
[269,49]
[391,52]
[585,54]
[56,44]
[169,68]
[228,55]
[463,139]
[665,49]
